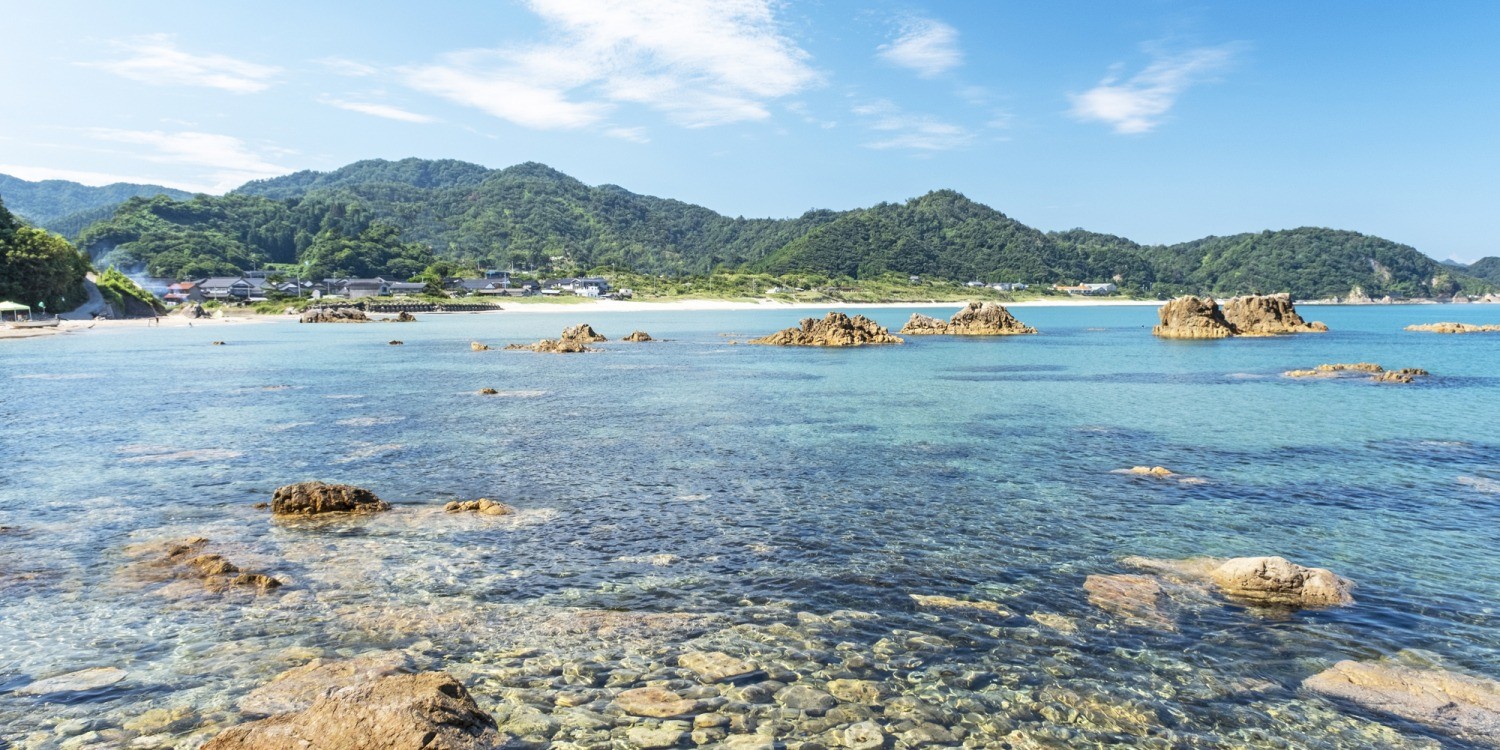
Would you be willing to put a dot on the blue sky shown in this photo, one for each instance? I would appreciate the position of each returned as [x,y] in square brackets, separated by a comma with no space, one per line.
[1161,121]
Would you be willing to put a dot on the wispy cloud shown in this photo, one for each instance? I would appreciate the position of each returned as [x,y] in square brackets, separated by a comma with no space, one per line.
[701,62]
[345,67]
[925,45]
[634,135]
[895,128]
[378,110]
[1138,104]
[222,162]
[156,60]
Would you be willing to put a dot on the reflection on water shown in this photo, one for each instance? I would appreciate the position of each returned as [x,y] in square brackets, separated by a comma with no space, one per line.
[779,506]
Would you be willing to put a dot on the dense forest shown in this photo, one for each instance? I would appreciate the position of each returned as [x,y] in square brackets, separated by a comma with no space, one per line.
[67,207]
[395,218]
[1485,268]
[38,267]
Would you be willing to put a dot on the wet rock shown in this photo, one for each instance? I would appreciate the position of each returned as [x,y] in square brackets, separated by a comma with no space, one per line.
[1404,375]
[930,601]
[715,666]
[216,343]
[553,346]
[297,688]
[638,336]
[403,317]
[804,698]
[1458,704]
[394,342]
[928,733]
[475,346]
[188,560]
[1151,471]
[582,332]
[1278,581]
[527,721]
[334,315]
[431,711]
[317,498]
[83,680]
[656,703]
[749,742]
[488,392]
[863,692]
[1192,318]
[1134,598]
[483,506]
[1266,315]
[835,329]
[976,319]
[864,735]
[654,738]
[158,720]
[1455,328]
[1060,623]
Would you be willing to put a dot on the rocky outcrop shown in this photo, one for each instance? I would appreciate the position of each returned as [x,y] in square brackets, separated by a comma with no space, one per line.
[1252,315]
[1263,581]
[1457,704]
[488,392]
[430,711]
[335,315]
[394,342]
[835,329]
[1403,375]
[1192,318]
[1454,328]
[403,317]
[1377,373]
[188,560]
[1266,315]
[553,346]
[317,498]
[475,346]
[582,332]
[976,319]
[638,336]
[297,688]
[483,506]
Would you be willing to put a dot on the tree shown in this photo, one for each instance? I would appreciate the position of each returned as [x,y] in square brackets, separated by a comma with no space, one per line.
[39,268]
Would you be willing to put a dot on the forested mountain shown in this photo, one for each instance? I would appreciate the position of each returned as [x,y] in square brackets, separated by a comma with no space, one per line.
[1486,268]
[61,206]
[390,217]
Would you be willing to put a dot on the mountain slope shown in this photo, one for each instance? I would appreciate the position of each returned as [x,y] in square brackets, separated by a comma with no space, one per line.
[49,203]
[1485,268]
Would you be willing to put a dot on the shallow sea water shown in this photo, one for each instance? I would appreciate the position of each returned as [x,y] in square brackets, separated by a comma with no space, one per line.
[782,505]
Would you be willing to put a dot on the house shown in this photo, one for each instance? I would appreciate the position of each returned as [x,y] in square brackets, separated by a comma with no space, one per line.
[406,287]
[360,288]
[1008,286]
[231,288]
[975,284]
[183,291]
[1090,290]
[591,286]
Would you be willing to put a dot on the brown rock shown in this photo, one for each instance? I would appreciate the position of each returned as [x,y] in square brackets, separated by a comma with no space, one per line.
[429,711]
[638,336]
[1266,315]
[404,317]
[1131,597]
[316,498]
[715,666]
[553,346]
[976,319]
[335,315]
[582,332]
[1278,581]
[1455,328]
[483,506]
[835,329]
[1192,318]
[932,601]
[478,347]
[924,325]
[396,343]
[1151,471]
[488,392]
[297,688]
[1457,704]
[657,703]
[184,560]
[1404,375]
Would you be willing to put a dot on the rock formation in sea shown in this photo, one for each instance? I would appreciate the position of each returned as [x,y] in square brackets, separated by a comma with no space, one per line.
[1251,315]
[488,392]
[335,315]
[430,711]
[835,329]
[582,332]
[638,336]
[475,346]
[394,342]
[1264,581]
[317,498]
[976,319]
[1377,373]
[483,506]
[1457,704]
[402,317]
[574,340]
[185,561]
[1455,328]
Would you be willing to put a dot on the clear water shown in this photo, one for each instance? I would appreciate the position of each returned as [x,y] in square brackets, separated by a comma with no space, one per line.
[769,491]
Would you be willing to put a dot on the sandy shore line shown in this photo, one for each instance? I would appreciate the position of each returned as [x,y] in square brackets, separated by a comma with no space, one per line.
[166,321]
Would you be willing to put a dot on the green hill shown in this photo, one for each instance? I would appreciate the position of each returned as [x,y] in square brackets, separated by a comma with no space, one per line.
[1486,268]
[60,205]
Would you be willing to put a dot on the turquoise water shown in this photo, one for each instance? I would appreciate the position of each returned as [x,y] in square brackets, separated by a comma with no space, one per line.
[769,493]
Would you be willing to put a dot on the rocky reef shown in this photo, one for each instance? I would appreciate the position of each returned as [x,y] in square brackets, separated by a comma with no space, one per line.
[1454,703]
[483,506]
[334,315]
[475,346]
[1261,581]
[574,340]
[317,498]
[1252,315]
[1454,328]
[638,336]
[1377,373]
[835,329]
[188,561]
[583,332]
[976,319]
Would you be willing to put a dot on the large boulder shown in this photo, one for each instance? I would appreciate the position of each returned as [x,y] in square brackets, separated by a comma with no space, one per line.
[1280,582]
[1266,315]
[582,332]
[430,711]
[1457,704]
[1192,318]
[835,329]
[976,319]
[335,315]
[297,688]
[638,336]
[317,498]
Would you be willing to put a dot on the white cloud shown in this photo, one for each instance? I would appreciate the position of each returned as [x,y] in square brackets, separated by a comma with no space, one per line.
[895,128]
[346,67]
[701,62]
[634,135]
[223,162]
[156,60]
[1138,104]
[927,46]
[378,110]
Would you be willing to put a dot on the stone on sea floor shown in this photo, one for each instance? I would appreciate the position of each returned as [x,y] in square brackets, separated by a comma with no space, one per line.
[186,560]
[638,336]
[1060,623]
[429,711]
[483,506]
[804,698]
[1278,581]
[1133,598]
[297,688]
[1455,328]
[715,666]
[1250,315]
[1465,706]
[80,681]
[932,601]
[975,319]
[163,720]
[835,329]
[863,735]
[862,692]
[335,315]
[656,703]
[317,498]
[654,738]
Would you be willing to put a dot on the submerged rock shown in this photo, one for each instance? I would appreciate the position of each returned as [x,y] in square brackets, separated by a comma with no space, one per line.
[976,319]
[715,666]
[188,560]
[483,506]
[335,315]
[835,329]
[1252,315]
[83,680]
[948,602]
[297,688]
[638,336]
[1458,704]
[1377,373]
[317,498]
[430,711]
[656,703]
[1281,582]
[1133,598]
[1454,328]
